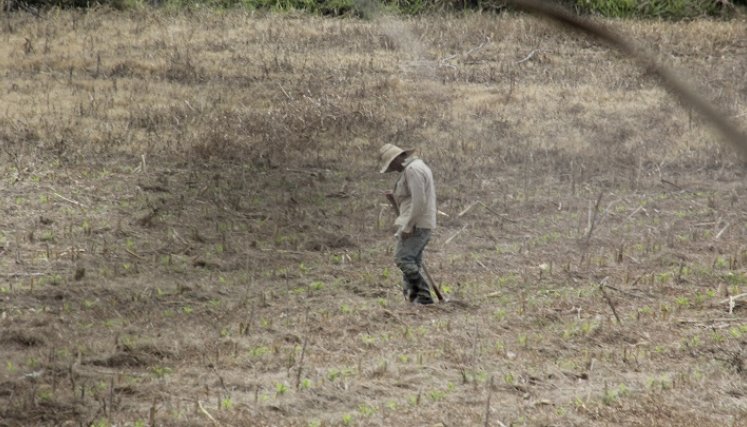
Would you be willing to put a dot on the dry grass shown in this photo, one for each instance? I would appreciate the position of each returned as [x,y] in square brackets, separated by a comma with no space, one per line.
[192,231]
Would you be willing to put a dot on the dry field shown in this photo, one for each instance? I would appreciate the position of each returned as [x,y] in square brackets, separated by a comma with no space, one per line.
[192,231]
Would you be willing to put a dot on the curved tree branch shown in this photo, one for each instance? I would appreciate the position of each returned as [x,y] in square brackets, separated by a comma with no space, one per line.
[677,87]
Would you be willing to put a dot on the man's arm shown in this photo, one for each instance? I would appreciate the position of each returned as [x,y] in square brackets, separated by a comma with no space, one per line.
[390,198]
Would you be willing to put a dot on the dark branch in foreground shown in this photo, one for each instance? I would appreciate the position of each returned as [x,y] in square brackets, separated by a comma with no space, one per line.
[679,88]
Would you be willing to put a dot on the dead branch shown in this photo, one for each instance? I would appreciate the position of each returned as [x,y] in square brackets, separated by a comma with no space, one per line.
[631,294]
[453,236]
[527,58]
[669,80]
[609,301]
[718,235]
[207,414]
[68,200]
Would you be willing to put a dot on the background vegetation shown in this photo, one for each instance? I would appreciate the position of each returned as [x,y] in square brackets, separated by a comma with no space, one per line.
[669,9]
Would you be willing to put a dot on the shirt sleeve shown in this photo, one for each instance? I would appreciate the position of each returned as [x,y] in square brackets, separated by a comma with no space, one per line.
[416,184]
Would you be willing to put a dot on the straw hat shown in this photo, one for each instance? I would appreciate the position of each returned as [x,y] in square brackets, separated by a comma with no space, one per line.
[389,152]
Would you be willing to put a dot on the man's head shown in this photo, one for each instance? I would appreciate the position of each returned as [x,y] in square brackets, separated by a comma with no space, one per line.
[392,158]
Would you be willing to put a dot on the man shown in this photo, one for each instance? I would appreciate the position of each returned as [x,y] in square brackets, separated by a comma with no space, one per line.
[414,198]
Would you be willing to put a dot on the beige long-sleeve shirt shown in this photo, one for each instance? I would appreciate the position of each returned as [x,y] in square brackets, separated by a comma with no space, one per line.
[415,194]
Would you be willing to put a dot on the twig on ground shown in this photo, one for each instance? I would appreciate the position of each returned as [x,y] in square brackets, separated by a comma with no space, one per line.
[718,235]
[285,93]
[133,254]
[207,414]
[454,235]
[633,213]
[628,293]
[528,57]
[467,209]
[498,214]
[665,181]
[54,193]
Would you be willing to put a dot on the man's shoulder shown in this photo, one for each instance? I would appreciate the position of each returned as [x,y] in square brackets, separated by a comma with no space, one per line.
[417,163]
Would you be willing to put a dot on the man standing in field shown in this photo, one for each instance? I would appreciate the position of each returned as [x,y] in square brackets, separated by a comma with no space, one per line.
[414,198]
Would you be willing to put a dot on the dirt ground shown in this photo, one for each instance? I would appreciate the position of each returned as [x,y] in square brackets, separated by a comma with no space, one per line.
[193,233]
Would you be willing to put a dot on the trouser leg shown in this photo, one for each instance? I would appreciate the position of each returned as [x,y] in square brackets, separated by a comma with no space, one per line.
[409,259]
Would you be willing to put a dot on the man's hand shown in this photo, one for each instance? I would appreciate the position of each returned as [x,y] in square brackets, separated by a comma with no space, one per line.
[402,234]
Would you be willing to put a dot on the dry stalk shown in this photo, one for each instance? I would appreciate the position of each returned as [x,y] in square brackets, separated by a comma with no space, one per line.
[732,300]
[454,236]
[303,350]
[609,300]
[204,411]
[590,229]
[487,403]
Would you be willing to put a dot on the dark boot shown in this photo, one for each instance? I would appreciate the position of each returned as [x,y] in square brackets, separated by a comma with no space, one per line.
[409,289]
[420,293]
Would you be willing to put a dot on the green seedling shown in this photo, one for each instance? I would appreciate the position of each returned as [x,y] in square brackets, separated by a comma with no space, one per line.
[437,395]
[281,389]
[45,395]
[161,371]
[682,302]
[345,309]
[258,352]
[347,419]
[101,423]
[366,410]
[611,396]
[368,339]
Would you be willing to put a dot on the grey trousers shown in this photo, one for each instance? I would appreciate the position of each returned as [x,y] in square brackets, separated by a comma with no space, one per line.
[409,259]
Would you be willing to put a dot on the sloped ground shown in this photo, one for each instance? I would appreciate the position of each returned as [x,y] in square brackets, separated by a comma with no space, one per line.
[193,234]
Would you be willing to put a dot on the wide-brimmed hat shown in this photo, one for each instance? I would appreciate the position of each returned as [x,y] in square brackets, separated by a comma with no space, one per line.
[389,152]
